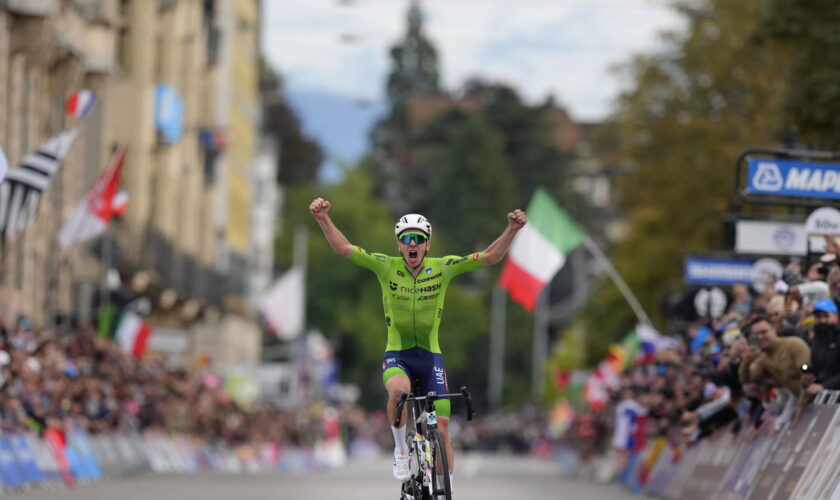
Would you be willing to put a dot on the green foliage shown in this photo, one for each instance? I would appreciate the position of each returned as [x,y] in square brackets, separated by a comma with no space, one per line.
[414,72]
[518,356]
[414,66]
[688,114]
[809,32]
[343,300]
[566,355]
[529,142]
[472,187]
[301,156]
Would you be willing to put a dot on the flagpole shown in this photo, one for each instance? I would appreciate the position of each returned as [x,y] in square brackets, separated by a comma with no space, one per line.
[611,271]
[496,367]
[540,345]
[300,258]
[79,224]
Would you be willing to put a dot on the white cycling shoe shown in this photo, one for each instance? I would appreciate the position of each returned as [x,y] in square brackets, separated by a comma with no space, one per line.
[402,468]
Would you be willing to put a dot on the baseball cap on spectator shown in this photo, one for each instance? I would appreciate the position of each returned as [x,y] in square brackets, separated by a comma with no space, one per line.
[825,305]
[828,258]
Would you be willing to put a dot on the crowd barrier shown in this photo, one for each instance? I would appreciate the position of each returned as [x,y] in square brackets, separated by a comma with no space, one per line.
[801,462]
[72,456]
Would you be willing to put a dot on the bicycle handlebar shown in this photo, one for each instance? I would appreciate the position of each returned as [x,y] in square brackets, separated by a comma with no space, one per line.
[463,394]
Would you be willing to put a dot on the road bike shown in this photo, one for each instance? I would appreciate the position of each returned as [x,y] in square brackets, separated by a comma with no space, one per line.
[426,450]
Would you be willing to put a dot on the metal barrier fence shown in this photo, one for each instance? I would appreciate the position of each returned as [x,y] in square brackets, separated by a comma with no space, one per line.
[72,456]
[801,462]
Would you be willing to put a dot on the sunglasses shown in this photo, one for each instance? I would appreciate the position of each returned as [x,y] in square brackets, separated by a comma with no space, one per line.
[419,238]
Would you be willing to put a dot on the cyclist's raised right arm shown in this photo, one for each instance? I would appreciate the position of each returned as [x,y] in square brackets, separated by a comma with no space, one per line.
[339,243]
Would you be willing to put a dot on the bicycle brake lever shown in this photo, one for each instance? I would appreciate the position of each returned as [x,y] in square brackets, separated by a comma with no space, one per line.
[468,401]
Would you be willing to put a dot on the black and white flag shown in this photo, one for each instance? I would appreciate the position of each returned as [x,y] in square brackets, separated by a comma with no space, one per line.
[21,190]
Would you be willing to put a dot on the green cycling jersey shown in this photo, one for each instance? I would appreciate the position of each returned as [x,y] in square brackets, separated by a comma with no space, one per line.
[414,306]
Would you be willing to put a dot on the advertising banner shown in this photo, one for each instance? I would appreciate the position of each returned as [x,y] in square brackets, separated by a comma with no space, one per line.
[796,178]
[713,460]
[774,238]
[10,472]
[712,271]
[817,468]
[26,461]
[824,221]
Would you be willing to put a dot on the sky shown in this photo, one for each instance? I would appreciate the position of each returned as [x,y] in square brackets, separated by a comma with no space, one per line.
[329,50]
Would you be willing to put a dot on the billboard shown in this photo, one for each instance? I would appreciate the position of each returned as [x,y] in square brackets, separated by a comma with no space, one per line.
[712,271]
[774,238]
[783,177]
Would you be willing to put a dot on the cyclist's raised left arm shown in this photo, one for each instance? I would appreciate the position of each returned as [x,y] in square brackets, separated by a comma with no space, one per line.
[339,243]
[494,253]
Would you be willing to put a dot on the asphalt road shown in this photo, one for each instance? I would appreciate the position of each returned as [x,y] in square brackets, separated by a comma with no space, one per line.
[478,477]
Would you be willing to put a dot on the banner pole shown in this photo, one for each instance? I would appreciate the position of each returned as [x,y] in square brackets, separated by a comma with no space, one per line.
[605,263]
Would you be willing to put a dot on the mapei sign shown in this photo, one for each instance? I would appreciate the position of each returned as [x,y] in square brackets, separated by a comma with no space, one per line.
[802,179]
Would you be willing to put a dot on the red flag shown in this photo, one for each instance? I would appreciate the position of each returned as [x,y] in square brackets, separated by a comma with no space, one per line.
[103,201]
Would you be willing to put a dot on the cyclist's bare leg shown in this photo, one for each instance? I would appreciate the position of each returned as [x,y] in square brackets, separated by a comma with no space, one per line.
[396,386]
[443,427]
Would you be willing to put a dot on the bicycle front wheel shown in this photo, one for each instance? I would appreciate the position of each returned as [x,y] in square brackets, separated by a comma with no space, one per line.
[441,484]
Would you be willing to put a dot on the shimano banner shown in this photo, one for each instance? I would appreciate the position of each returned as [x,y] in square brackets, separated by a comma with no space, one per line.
[709,271]
[804,179]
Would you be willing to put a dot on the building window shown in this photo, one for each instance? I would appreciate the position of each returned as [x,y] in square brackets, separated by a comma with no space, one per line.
[124,49]
[20,261]
[26,122]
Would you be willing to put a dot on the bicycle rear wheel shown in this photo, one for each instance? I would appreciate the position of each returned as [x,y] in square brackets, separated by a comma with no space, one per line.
[440,466]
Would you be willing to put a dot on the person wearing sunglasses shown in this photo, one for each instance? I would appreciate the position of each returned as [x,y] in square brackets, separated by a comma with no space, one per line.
[413,288]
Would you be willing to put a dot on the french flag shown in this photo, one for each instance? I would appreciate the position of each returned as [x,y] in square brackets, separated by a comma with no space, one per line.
[80,103]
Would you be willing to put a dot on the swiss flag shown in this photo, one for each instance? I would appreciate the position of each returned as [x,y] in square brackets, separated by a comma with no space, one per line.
[103,201]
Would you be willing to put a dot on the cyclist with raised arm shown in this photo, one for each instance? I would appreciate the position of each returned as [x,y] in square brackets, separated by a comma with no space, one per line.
[413,288]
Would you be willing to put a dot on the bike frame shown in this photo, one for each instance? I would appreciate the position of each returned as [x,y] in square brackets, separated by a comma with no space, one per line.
[425,421]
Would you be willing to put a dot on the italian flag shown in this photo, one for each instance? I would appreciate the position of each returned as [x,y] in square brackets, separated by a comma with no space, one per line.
[133,334]
[539,249]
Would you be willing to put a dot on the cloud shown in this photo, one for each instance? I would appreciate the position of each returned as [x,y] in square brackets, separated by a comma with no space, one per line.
[541,47]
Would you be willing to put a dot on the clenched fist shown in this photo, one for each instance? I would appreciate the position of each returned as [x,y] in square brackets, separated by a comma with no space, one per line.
[319,208]
[517,219]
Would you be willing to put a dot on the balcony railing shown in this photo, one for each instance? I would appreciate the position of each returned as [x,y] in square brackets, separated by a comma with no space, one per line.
[174,268]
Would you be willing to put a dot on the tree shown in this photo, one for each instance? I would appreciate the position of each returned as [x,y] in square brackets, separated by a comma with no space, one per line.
[300,157]
[688,113]
[414,65]
[810,34]
[470,187]
[530,148]
[414,73]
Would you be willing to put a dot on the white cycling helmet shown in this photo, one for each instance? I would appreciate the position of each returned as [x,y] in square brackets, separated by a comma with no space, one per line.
[413,221]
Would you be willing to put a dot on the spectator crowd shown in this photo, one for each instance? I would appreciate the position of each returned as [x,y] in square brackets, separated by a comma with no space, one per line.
[753,369]
[61,377]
